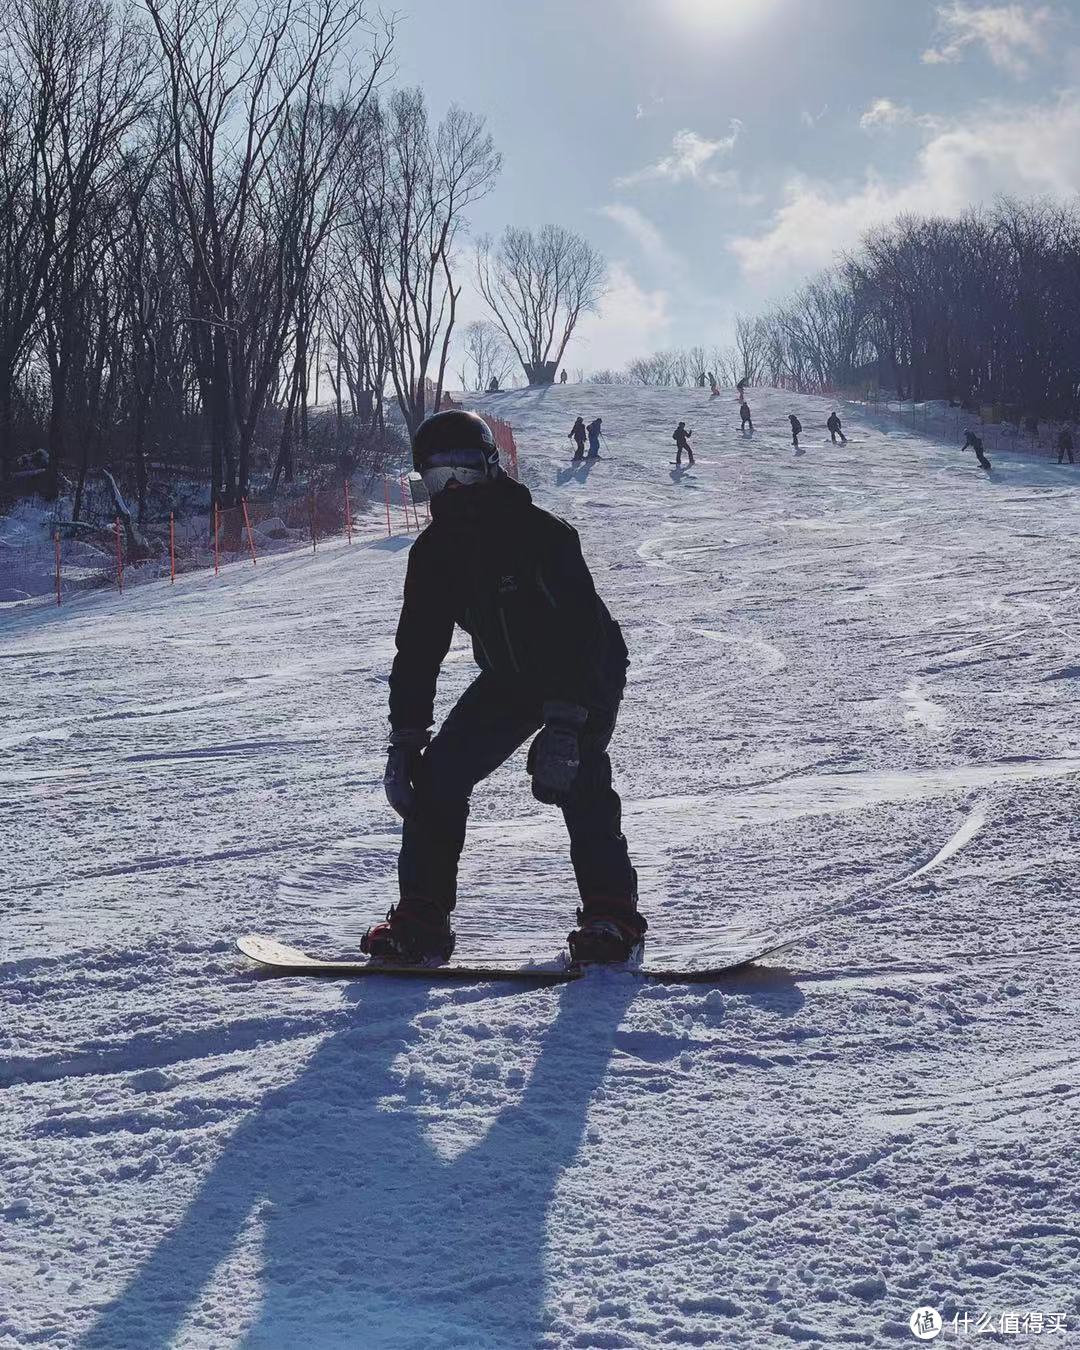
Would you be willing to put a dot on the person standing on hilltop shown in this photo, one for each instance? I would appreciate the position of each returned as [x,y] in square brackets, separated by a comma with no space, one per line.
[681,437]
[577,434]
[552,666]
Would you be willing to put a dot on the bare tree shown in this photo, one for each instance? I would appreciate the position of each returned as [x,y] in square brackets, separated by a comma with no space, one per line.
[487,356]
[538,286]
[257,133]
[410,211]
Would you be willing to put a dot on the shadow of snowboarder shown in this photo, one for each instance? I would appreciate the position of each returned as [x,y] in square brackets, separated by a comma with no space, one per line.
[369,1237]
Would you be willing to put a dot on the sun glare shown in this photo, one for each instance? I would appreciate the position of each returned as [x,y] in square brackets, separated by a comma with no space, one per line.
[719,15]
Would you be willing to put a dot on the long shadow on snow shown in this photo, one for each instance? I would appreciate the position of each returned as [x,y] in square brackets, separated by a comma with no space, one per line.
[368,1237]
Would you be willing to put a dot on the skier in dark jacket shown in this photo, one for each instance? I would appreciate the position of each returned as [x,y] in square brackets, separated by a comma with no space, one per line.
[594,430]
[552,661]
[835,427]
[1065,447]
[744,414]
[796,428]
[973,442]
[681,437]
[577,435]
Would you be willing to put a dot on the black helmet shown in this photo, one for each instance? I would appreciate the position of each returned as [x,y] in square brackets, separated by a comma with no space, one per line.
[454,430]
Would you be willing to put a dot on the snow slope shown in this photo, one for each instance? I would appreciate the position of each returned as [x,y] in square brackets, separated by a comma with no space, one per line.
[852,697]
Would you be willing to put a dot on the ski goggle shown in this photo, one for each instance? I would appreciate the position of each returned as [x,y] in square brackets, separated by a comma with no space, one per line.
[467,467]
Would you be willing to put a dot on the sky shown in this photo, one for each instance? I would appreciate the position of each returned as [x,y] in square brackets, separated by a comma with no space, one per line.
[718,152]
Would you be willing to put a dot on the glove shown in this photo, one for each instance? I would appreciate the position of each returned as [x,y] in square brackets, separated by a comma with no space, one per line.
[402,765]
[555,754]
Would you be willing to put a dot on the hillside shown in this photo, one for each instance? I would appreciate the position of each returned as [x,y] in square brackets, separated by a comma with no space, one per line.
[853,685]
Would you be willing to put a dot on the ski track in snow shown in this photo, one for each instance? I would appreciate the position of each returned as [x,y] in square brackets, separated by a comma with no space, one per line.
[850,715]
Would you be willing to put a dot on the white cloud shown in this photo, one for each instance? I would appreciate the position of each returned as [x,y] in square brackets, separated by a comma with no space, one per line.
[1030,150]
[884,113]
[1011,34]
[631,320]
[645,234]
[689,160]
[809,119]
[644,110]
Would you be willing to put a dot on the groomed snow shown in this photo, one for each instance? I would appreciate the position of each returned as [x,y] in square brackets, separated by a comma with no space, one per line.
[853,696]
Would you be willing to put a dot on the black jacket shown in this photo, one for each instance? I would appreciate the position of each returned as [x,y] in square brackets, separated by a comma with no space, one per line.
[513,577]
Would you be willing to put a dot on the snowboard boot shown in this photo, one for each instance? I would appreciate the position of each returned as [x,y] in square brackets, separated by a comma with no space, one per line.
[607,935]
[414,933]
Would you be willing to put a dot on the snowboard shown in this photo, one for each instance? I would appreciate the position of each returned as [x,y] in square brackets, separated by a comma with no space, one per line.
[698,967]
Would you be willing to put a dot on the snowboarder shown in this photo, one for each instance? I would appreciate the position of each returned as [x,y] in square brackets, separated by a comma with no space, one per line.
[552,666]
[577,435]
[973,442]
[796,428]
[562,377]
[493,387]
[1065,446]
[713,385]
[836,428]
[681,437]
[744,414]
[594,430]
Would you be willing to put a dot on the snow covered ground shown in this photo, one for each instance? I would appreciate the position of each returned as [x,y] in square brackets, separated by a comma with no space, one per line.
[853,687]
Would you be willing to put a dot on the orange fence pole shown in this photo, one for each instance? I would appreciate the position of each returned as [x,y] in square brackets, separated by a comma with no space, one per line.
[348,512]
[404,503]
[119,558]
[217,523]
[172,549]
[57,566]
[251,537]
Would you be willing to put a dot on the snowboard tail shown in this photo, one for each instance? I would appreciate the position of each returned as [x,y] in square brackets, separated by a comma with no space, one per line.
[284,960]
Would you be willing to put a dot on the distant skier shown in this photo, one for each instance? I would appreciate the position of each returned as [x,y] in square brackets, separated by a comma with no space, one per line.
[713,385]
[796,429]
[836,429]
[552,661]
[1065,447]
[744,414]
[594,430]
[493,387]
[562,377]
[577,434]
[681,437]
[973,442]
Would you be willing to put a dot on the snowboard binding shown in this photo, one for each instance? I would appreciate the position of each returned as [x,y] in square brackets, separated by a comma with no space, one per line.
[414,933]
[607,938]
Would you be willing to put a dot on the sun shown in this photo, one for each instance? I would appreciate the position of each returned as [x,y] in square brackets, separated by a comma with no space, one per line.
[717,16]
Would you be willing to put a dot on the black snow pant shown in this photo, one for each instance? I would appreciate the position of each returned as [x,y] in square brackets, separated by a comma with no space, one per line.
[594,447]
[488,723]
[579,449]
[746,422]
[983,461]
[679,450]
[840,435]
